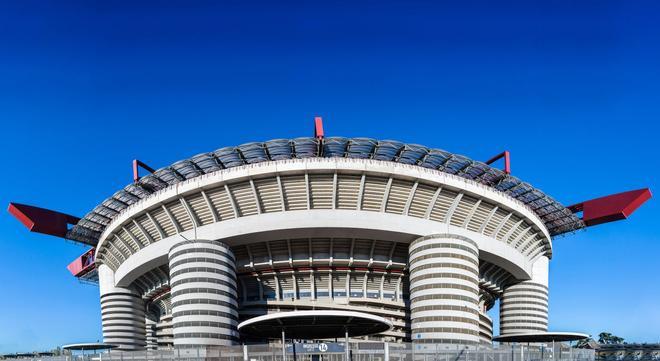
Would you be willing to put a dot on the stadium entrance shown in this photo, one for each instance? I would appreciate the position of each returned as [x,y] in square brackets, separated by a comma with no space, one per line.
[317,351]
[315,325]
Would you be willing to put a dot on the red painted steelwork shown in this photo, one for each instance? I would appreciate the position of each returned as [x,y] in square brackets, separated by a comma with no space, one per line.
[611,208]
[165,290]
[318,127]
[320,268]
[83,264]
[42,220]
[507,161]
[138,163]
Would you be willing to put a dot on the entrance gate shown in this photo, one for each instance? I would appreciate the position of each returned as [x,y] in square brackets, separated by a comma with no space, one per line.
[336,351]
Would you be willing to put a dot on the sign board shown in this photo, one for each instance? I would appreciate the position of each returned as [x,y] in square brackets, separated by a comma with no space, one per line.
[323,347]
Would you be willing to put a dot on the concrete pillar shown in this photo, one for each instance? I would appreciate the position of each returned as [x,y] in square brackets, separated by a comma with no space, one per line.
[122,313]
[524,305]
[347,345]
[150,331]
[164,332]
[204,294]
[485,328]
[444,290]
[283,345]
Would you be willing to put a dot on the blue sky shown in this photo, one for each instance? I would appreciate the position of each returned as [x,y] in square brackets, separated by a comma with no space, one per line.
[570,88]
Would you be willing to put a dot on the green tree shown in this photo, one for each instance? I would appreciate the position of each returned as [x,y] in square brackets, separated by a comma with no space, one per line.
[609,339]
[584,343]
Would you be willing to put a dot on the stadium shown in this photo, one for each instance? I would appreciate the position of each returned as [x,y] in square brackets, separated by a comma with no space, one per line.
[323,238]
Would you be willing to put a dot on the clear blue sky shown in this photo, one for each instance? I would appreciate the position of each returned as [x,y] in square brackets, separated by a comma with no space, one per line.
[572,89]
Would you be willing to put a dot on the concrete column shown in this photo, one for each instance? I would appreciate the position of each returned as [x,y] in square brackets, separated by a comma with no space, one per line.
[283,345]
[444,290]
[204,294]
[524,305]
[122,313]
[152,340]
[164,332]
[347,345]
[485,328]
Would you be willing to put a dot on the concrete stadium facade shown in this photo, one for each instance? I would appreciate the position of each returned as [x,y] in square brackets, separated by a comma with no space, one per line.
[427,250]
[322,238]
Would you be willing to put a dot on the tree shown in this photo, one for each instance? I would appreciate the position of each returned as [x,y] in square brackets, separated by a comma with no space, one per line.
[607,338]
[585,343]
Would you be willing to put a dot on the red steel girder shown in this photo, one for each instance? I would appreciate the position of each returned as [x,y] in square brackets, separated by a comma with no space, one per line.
[139,164]
[507,161]
[42,220]
[318,128]
[611,208]
[83,264]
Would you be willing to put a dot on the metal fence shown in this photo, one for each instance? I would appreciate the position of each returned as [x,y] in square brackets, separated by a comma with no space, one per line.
[330,351]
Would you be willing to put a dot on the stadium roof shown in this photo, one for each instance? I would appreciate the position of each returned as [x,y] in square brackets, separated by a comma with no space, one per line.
[557,218]
[541,337]
[89,346]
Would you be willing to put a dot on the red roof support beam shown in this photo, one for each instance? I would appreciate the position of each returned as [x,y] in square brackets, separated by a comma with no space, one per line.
[611,208]
[42,220]
[507,160]
[318,127]
[83,264]
[136,165]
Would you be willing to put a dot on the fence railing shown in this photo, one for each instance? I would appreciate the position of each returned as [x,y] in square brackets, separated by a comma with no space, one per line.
[331,351]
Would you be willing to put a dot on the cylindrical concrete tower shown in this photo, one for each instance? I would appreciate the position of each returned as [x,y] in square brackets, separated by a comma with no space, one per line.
[444,290]
[122,313]
[524,305]
[151,338]
[204,295]
[164,331]
[485,328]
